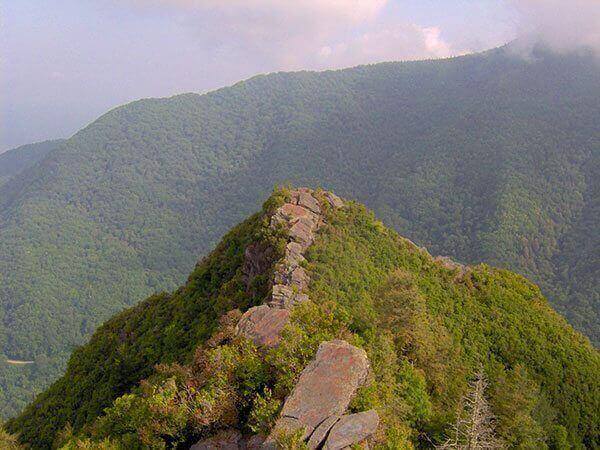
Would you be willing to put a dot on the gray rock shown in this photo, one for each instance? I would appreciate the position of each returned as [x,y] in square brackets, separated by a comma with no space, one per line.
[320,433]
[333,199]
[224,440]
[282,296]
[293,254]
[302,232]
[257,260]
[325,386]
[254,442]
[306,200]
[449,264]
[263,325]
[230,440]
[352,429]
[292,276]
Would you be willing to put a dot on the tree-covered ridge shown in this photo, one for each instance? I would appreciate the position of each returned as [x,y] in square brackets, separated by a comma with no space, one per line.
[163,328]
[14,161]
[484,158]
[430,327]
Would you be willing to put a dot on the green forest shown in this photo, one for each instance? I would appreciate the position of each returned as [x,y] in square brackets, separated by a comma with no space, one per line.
[485,158]
[15,161]
[428,328]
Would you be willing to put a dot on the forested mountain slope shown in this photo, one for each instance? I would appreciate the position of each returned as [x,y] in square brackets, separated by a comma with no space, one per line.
[485,157]
[14,161]
[432,329]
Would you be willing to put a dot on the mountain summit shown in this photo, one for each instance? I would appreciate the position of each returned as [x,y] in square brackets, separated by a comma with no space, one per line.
[312,325]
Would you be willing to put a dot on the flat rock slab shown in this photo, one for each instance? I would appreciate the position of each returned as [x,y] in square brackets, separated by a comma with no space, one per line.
[225,440]
[302,232]
[307,201]
[352,429]
[229,440]
[289,212]
[318,436]
[263,325]
[325,386]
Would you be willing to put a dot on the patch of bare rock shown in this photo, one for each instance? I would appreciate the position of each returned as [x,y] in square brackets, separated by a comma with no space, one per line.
[301,217]
[229,440]
[318,403]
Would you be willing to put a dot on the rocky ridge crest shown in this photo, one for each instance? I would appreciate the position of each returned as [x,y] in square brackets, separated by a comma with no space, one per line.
[317,405]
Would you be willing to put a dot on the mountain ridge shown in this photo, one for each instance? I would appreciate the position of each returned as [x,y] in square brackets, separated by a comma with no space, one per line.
[483,158]
[427,326]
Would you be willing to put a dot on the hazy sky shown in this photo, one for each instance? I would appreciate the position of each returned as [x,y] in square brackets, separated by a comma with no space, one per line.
[64,62]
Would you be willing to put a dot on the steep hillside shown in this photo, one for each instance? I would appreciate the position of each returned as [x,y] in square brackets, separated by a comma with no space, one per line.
[484,158]
[14,161]
[310,272]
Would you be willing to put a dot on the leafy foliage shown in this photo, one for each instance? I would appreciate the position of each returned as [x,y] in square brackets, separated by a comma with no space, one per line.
[429,328]
[484,158]
[164,328]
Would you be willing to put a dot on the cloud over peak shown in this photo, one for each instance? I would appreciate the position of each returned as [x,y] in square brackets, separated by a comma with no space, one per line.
[562,25]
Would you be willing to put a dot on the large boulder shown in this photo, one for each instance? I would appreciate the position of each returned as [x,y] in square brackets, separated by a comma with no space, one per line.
[229,440]
[352,429]
[303,232]
[263,325]
[224,440]
[324,388]
[306,200]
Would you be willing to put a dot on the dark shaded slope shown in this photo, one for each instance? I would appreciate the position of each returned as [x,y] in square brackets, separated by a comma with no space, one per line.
[18,159]
[483,157]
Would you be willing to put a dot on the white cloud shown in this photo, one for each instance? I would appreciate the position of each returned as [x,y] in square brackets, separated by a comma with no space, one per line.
[386,43]
[310,34]
[563,25]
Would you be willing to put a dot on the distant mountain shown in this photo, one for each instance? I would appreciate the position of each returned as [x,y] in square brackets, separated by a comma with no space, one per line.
[12,162]
[485,157]
[274,332]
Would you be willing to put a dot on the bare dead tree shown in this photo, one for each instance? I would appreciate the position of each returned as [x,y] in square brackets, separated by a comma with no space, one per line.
[474,428]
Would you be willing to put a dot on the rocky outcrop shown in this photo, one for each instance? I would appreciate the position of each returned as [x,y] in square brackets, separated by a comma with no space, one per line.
[263,324]
[323,392]
[229,440]
[318,403]
[225,440]
[326,385]
[300,217]
[351,429]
